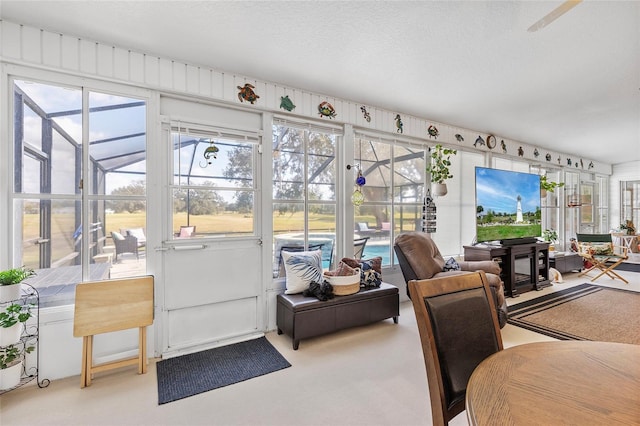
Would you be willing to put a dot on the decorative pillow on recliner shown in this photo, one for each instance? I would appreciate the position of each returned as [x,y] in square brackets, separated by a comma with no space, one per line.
[370,270]
[301,268]
[451,265]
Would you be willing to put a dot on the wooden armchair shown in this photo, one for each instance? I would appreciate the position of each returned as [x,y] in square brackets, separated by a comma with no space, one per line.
[599,251]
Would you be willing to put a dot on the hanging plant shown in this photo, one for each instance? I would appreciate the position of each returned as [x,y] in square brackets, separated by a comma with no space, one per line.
[440,162]
[550,186]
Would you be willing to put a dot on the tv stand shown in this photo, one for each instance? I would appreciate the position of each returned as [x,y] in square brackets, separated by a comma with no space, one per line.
[518,241]
[536,253]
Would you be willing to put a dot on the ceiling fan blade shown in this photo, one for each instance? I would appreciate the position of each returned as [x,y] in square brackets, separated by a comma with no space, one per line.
[554,14]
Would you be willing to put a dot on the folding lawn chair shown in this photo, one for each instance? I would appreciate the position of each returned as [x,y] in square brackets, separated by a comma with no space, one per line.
[599,251]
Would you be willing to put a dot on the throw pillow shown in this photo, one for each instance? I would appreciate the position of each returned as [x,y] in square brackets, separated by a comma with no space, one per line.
[370,270]
[117,236]
[138,233]
[343,270]
[601,249]
[451,265]
[301,268]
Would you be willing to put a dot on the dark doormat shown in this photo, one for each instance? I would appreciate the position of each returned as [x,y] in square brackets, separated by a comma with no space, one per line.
[191,374]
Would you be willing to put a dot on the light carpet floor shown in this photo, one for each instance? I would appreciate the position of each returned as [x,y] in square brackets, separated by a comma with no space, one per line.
[371,375]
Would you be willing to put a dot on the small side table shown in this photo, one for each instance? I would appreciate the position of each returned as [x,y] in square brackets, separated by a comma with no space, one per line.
[566,262]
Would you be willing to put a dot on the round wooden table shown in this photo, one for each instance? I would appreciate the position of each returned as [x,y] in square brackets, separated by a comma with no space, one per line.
[564,382]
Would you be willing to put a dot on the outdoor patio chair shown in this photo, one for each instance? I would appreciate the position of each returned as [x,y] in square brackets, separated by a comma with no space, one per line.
[358,247]
[599,251]
[128,244]
[186,232]
[136,232]
[363,230]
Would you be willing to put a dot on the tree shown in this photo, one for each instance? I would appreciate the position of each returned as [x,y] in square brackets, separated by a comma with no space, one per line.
[289,166]
[198,201]
[239,171]
[136,188]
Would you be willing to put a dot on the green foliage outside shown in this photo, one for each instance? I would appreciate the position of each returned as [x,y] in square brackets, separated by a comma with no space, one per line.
[500,232]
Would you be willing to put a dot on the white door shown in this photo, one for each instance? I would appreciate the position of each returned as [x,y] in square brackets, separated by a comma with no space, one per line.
[210,284]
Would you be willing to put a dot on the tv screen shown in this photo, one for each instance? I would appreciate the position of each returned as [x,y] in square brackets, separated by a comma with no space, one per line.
[507,205]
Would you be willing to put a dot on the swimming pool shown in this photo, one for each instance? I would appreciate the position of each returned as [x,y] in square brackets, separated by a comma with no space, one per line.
[374,250]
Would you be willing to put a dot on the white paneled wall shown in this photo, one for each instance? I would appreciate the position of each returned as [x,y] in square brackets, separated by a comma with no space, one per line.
[26,45]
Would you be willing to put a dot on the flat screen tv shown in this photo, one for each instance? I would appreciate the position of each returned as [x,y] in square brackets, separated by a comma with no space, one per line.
[507,206]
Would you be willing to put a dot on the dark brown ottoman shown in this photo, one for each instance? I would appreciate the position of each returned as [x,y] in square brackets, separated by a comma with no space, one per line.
[302,317]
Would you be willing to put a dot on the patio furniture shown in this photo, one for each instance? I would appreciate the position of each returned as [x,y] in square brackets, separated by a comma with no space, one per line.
[358,247]
[599,251]
[186,232]
[136,232]
[363,230]
[128,244]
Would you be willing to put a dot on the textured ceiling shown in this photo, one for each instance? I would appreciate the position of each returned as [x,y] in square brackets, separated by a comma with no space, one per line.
[573,86]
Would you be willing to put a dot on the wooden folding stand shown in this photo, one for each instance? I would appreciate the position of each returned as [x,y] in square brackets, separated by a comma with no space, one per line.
[112,305]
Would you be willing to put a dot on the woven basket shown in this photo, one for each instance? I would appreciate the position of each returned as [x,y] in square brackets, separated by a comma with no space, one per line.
[345,285]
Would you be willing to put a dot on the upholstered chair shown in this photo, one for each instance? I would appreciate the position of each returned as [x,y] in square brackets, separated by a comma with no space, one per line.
[420,259]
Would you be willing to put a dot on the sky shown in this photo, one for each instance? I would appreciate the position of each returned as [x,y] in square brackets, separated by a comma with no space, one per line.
[498,190]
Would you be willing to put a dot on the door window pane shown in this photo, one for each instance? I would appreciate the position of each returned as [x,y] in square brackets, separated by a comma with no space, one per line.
[214,184]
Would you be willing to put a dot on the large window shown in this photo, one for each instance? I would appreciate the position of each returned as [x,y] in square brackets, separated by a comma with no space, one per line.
[393,193]
[304,190]
[79,175]
[214,182]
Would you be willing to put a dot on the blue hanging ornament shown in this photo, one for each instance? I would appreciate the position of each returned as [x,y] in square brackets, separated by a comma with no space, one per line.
[357,198]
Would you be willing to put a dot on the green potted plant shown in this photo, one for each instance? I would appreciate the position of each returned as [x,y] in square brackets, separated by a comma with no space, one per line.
[10,282]
[547,185]
[12,321]
[550,236]
[11,358]
[629,227]
[438,168]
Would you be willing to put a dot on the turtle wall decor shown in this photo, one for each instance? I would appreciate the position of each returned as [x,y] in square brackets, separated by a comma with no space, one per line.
[365,114]
[286,103]
[433,131]
[520,152]
[459,137]
[246,93]
[479,141]
[325,109]
[399,124]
